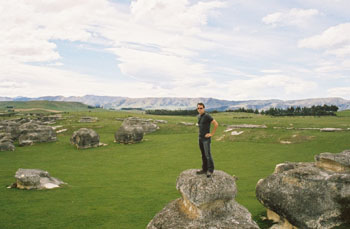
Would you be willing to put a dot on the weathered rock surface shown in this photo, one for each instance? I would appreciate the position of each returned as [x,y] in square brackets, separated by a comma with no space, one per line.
[32,132]
[147,125]
[11,127]
[205,203]
[161,121]
[88,119]
[85,138]
[6,142]
[330,129]
[334,162]
[308,195]
[251,126]
[129,134]
[35,179]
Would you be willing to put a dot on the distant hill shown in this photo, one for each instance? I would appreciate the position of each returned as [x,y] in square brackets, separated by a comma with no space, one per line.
[47,105]
[186,103]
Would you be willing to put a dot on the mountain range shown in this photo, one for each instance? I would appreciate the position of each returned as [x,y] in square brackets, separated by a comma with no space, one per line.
[172,103]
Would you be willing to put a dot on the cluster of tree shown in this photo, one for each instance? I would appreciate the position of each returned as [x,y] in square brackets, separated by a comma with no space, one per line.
[303,111]
[131,108]
[294,111]
[96,106]
[242,109]
[172,112]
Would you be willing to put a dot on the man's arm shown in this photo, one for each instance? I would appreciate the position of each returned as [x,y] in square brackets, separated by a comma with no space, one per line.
[216,124]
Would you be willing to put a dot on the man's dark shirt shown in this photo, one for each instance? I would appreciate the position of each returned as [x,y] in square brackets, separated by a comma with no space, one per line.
[204,121]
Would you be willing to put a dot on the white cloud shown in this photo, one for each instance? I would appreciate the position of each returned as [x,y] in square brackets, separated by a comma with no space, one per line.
[343,92]
[169,48]
[271,86]
[155,40]
[293,17]
[271,71]
[333,39]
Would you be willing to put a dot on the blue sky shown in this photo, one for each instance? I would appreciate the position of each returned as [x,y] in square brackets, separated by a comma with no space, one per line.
[234,50]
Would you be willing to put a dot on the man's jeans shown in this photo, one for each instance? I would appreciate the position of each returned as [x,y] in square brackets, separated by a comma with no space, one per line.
[207,160]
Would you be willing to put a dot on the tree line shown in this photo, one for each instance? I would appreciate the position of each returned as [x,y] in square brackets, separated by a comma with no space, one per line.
[293,111]
[172,112]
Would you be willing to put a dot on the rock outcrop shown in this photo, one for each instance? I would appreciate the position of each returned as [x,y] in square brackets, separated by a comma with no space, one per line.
[11,127]
[147,125]
[85,138]
[88,119]
[330,129]
[249,126]
[32,132]
[35,179]
[205,203]
[129,134]
[6,142]
[308,195]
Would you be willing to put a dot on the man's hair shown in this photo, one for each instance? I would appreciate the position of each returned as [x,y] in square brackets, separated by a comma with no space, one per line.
[201,104]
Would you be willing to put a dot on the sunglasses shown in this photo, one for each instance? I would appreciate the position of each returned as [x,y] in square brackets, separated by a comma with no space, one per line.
[199,108]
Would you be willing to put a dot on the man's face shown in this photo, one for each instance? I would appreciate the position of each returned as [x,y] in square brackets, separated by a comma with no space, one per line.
[200,109]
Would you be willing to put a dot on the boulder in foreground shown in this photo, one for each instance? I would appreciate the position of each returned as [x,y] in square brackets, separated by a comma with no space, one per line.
[308,195]
[205,203]
[35,179]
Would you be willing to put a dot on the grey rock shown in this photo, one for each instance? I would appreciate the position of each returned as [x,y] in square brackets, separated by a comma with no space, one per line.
[305,195]
[147,125]
[250,126]
[6,142]
[330,129]
[200,190]
[11,127]
[32,132]
[88,119]
[334,162]
[85,138]
[36,179]
[51,118]
[205,203]
[161,121]
[129,134]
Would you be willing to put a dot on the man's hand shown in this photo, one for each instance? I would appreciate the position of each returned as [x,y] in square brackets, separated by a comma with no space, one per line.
[208,135]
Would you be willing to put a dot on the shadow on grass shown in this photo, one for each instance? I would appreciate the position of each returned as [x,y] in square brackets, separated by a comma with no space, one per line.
[262,220]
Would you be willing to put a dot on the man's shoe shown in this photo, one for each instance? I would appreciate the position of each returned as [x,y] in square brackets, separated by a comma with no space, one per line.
[209,174]
[201,172]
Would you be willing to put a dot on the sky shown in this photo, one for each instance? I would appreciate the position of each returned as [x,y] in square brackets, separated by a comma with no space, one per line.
[224,49]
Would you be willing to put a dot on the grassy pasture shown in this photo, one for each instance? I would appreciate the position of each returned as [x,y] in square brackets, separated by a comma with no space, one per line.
[43,105]
[124,186]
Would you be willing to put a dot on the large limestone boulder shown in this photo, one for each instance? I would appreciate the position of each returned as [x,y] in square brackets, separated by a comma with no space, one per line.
[32,132]
[85,138]
[35,179]
[11,127]
[129,134]
[334,162]
[205,203]
[308,195]
[147,125]
[6,142]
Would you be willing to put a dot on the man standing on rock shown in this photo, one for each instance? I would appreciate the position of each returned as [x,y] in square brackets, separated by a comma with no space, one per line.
[204,122]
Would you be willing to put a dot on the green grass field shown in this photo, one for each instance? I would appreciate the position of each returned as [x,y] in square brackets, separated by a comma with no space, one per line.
[43,104]
[124,186]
